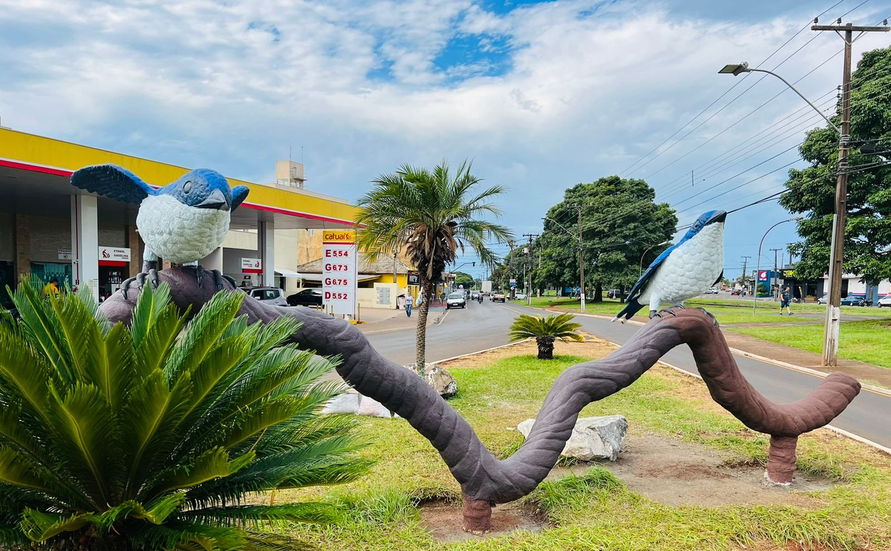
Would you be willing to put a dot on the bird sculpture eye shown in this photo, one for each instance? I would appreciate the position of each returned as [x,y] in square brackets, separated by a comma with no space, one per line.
[187,187]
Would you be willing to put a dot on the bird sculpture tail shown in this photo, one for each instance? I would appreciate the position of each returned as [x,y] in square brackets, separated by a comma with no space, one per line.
[628,311]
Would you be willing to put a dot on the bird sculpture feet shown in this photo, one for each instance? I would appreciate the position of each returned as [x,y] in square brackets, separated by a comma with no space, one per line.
[150,273]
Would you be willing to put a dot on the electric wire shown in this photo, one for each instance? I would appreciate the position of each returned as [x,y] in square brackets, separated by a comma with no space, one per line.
[735,84]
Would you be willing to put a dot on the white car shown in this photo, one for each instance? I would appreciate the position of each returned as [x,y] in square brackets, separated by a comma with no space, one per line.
[520,296]
[884,301]
[269,295]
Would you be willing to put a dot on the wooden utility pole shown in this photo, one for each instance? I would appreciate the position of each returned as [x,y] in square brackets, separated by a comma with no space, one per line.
[836,254]
[745,264]
[528,278]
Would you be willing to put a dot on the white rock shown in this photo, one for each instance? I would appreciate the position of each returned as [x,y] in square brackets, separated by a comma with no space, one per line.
[592,437]
[345,403]
[372,408]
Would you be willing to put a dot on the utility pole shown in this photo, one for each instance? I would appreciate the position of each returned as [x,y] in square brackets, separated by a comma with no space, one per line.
[836,254]
[774,271]
[745,264]
[525,278]
[581,261]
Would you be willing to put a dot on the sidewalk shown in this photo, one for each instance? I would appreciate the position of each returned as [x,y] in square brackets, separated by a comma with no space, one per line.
[376,320]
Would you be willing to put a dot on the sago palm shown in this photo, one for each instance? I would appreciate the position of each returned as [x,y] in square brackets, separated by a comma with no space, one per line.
[431,215]
[545,330]
[149,437]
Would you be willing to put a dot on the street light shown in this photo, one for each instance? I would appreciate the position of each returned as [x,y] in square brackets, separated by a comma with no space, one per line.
[758,260]
[836,251]
[736,69]
[648,249]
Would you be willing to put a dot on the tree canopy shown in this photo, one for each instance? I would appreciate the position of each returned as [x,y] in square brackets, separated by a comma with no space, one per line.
[620,222]
[811,190]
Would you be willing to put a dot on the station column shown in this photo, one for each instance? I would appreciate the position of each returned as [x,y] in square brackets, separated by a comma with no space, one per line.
[85,242]
[266,242]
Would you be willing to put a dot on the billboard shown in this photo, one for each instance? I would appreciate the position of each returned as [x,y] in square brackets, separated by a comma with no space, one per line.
[339,271]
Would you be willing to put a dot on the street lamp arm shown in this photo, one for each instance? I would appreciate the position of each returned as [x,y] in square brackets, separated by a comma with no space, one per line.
[787,83]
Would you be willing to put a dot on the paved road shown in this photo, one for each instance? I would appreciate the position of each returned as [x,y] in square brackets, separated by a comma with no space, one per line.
[485,325]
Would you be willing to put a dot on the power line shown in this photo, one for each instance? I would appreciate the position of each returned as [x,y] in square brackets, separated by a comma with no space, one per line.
[679,130]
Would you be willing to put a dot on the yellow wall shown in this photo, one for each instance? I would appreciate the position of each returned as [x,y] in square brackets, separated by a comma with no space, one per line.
[401,279]
[32,149]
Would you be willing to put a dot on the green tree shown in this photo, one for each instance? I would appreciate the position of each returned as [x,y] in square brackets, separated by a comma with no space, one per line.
[433,215]
[149,437]
[811,190]
[545,330]
[464,279]
[620,222]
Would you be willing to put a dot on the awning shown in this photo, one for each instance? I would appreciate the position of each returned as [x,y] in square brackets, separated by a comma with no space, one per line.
[284,272]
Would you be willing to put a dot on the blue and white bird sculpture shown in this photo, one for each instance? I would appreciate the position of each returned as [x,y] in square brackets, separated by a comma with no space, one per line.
[182,222]
[684,270]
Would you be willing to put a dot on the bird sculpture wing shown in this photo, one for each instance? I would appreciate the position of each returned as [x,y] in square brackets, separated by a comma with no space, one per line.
[112,181]
[638,287]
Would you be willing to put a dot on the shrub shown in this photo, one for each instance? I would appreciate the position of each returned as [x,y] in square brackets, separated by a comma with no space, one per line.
[150,437]
[545,330]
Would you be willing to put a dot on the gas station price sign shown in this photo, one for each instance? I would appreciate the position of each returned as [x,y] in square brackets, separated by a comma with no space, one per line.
[339,271]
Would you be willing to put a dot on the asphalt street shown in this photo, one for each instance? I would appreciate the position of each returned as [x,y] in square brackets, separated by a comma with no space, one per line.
[485,325]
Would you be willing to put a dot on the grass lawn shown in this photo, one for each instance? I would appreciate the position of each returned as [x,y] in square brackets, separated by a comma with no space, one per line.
[866,341]
[596,510]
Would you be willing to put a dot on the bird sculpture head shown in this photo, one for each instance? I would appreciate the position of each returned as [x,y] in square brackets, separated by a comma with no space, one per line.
[181,222]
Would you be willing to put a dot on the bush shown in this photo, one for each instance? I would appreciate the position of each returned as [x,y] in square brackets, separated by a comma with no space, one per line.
[149,437]
[545,330]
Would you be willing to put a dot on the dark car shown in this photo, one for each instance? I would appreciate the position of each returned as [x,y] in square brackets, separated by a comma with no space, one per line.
[615,293]
[854,299]
[306,297]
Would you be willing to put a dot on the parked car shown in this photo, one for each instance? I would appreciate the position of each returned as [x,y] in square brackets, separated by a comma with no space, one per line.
[497,296]
[884,301]
[615,293]
[520,296]
[711,291]
[736,292]
[306,297]
[852,299]
[855,300]
[456,300]
[269,295]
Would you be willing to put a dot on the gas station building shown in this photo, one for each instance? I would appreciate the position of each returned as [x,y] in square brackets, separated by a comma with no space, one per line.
[50,229]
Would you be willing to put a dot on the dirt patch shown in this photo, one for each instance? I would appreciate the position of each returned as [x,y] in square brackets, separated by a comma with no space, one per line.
[681,473]
[444,521]
[592,347]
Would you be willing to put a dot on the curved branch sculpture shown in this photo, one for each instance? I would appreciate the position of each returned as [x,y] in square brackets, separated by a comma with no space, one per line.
[486,480]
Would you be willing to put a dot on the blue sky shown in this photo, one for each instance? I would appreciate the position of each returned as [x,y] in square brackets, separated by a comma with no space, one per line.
[539,95]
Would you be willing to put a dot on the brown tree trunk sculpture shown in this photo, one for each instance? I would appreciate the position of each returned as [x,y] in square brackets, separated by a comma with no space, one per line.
[486,480]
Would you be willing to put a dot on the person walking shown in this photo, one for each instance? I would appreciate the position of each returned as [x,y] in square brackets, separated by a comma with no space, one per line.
[408,305]
[786,301]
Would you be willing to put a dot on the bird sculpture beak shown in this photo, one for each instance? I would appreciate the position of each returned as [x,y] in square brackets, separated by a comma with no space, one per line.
[216,200]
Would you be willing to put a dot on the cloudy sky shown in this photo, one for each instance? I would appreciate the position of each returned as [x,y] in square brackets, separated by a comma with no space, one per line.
[539,95]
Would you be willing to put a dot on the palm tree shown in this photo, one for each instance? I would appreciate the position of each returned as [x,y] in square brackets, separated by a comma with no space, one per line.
[149,437]
[545,330]
[431,215]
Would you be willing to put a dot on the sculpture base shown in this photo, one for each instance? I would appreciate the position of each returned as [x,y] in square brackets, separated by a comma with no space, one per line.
[781,459]
[477,515]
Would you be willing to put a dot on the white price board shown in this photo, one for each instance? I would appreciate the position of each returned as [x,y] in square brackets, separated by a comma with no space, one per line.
[339,271]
